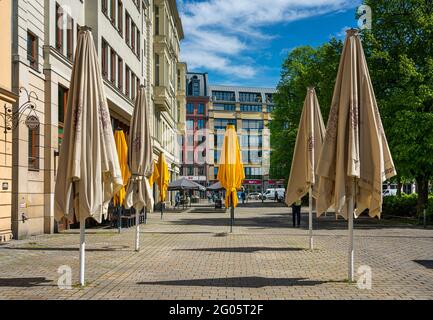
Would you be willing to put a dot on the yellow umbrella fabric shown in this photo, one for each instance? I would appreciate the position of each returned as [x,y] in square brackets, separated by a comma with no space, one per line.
[155,175]
[122,154]
[231,170]
[164,177]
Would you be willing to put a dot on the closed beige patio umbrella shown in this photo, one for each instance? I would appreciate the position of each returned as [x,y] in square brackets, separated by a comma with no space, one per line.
[138,191]
[88,174]
[309,141]
[355,158]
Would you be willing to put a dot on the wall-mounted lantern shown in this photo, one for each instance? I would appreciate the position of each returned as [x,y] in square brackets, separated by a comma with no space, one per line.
[26,113]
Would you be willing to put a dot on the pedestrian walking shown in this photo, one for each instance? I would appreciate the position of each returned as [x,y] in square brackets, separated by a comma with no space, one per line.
[177,200]
[296,213]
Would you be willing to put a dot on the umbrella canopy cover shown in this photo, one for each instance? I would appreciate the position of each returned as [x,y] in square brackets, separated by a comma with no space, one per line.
[164,177]
[231,170]
[215,187]
[89,173]
[139,194]
[122,153]
[355,154]
[185,184]
[155,175]
[308,145]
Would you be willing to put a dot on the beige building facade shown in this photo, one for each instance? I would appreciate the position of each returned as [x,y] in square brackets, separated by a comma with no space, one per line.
[44,39]
[7,99]
[249,109]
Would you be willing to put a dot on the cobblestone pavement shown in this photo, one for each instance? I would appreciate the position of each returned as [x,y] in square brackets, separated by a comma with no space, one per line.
[192,256]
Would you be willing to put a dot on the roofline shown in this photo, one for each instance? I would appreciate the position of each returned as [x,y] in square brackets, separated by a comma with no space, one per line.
[241,88]
[177,20]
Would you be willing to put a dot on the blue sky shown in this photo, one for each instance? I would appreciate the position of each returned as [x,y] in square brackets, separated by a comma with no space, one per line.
[243,42]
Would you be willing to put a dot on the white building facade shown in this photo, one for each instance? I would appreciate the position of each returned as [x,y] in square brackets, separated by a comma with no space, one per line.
[43,47]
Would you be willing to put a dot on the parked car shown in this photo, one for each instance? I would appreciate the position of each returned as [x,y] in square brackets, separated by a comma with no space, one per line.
[270,193]
[389,192]
[254,196]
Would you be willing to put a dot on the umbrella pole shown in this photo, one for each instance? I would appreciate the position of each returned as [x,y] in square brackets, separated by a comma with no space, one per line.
[351,251]
[119,221]
[161,210]
[310,216]
[232,214]
[137,230]
[145,216]
[82,249]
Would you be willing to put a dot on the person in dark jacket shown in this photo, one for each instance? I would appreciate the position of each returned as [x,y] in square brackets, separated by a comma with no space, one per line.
[296,213]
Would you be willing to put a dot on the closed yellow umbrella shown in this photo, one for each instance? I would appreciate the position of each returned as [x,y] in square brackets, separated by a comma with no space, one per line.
[231,170]
[163,178]
[155,175]
[122,154]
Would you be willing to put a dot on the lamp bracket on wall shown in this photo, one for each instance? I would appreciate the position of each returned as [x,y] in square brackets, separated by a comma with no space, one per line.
[26,113]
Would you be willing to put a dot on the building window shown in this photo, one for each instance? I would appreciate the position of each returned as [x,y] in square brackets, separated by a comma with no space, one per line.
[221,124]
[33,161]
[59,28]
[113,60]
[156,20]
[138,43]
[157,80]
[120,17]
[253,173]
[104,58]
[195,87]
[252,124]
[250,97]
[190,108]
[133,40]
[223,95]
[133,86]
[200,108]
[271,108]
[127,81]
[200,124]
[113,12]
[138,85]
[127,28]
[70,39]
[190,124]
[32,50]
[201,171]
[218,141]
[217,154]
[269,98]
[61,105]
[120,73]
[251,108]
[105,6]
[224,107]
[215,171]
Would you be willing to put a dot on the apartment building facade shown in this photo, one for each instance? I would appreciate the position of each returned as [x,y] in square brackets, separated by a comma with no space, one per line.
[7,99]
[195,144]
[249,109]
[126,37]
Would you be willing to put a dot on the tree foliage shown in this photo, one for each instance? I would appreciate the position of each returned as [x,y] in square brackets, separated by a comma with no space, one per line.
[399,50]
[305,66]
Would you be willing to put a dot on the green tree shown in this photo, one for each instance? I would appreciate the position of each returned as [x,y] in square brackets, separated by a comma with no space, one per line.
[399,50]
[305,66]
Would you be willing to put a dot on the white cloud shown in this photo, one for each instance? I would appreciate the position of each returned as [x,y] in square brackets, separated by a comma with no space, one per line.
[340,35]
[220,35]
